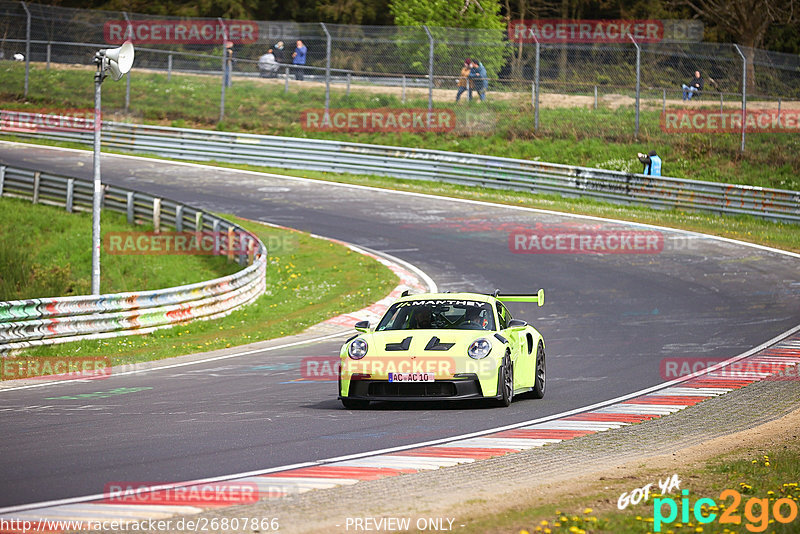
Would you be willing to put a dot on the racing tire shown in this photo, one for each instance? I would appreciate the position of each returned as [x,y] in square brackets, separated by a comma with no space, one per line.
[506,384]
[540,374]
[355,404]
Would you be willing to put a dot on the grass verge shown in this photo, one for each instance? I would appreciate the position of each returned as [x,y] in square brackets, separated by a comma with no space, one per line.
[503,126]
[45,252]
[746,484]
[308,280]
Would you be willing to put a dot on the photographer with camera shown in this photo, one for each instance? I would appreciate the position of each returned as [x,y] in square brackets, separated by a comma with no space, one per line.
[651,162]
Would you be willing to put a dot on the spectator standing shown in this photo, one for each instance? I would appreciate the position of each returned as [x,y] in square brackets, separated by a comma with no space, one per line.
[651,162]
[464,81]
[299,59]
[279,52]
[695,86]
[267,66]
[478,75]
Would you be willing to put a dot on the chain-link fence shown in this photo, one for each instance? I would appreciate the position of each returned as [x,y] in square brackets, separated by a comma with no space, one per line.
[622,90]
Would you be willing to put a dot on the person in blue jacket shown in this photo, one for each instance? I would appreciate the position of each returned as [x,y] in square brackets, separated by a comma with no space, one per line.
[479,78]
[299,58]
[651,162]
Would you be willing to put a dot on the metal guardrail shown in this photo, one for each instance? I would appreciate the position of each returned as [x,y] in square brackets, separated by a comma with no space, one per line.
[26,323]
[450,167]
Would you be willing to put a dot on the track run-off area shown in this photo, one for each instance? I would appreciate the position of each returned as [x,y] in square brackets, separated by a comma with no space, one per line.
[612,322]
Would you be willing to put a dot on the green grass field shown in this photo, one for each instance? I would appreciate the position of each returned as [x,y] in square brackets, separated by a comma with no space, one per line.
[46,252]
[503,127]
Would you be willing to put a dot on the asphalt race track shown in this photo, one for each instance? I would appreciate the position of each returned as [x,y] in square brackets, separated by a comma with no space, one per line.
[609,321]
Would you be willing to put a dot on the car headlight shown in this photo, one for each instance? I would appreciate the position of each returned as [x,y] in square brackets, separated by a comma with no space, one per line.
[480,348]
[357,349]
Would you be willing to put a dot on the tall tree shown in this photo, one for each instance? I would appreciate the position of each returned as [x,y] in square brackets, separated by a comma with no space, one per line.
[747,21]
[451,47]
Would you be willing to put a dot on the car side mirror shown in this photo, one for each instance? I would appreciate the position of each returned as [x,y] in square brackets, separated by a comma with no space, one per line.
[517,324]
[361,326]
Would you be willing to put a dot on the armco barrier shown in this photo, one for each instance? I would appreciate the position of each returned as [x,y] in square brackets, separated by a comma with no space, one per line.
[25,323]
[451,167]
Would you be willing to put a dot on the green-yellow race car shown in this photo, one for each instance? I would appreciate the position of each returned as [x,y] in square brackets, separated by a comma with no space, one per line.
[444,346]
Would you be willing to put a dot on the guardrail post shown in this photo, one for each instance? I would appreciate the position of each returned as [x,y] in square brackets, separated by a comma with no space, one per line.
[2,178]
[169,67]
[664,101]
[129,207]
[348,85]
[286,81]
[157,215]
[179,218]
[70,195]
[251,251]
[243,240]
[198,221]
[230,243]
[403,98]
[37,176]
[215,231]
[48,56]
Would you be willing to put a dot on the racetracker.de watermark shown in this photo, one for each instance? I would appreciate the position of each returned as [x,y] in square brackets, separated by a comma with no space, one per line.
[204,494]
[585,31]
[567,240]
[185,243]
[56,368]
[49,120]
[730,121]
[378,120]
[768,369]
[190,31]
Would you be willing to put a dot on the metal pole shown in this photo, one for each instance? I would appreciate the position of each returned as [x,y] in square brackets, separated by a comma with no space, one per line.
[404,89]
[348,84]
[169,67]
[327,67]
[286,82]
[48,56]
[224,66]
[664,101]
[595,97]
[27,45]
[128,35]
[638,81]
[744,94]
[430,70]
[536,84]
[98,187]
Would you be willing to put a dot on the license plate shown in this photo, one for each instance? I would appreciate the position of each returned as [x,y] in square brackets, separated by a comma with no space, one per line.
[411,377]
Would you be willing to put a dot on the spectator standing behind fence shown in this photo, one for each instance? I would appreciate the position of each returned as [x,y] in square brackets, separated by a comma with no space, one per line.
[651,162]
[478,77]
[228,72]
[464,81]
[695,86]
[267,66]
[299,58]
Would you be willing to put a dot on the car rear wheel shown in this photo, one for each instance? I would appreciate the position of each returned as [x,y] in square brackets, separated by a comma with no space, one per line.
[355,404]
[539,381]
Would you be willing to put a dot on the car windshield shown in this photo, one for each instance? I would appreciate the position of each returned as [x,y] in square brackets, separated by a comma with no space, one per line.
[438,314]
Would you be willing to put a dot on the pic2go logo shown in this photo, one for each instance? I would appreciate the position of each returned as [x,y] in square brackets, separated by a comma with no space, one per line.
[756,511]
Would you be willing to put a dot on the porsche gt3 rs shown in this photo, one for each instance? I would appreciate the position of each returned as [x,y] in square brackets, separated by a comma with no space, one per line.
[444,346]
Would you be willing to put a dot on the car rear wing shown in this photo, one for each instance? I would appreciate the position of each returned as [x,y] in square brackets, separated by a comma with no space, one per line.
[538,297]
